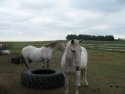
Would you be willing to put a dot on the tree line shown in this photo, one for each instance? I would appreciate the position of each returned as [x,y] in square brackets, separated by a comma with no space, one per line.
[90,37]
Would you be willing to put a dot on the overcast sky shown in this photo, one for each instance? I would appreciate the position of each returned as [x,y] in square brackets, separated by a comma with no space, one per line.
[27,20]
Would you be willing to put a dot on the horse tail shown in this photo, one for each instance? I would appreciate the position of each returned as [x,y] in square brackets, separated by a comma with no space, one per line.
[23,62]
[81,73]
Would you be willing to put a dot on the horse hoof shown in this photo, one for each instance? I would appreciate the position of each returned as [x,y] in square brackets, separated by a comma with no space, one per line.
[66,92]
[86,85]
[79,84]
[77,92]
[43,67]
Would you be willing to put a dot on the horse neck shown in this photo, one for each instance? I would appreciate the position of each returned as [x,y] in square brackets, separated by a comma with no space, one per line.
[53,47]
[50,49]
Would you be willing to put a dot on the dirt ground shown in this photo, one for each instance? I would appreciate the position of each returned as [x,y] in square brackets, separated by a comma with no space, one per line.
[10,80]
[102,77]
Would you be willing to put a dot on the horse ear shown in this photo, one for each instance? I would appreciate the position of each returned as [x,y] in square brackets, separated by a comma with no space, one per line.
[72,41]
[80,41]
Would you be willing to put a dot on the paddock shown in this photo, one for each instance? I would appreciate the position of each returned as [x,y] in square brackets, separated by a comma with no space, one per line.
[105,73]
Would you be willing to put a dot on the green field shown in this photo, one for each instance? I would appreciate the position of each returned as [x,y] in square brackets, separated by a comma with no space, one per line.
[106,69]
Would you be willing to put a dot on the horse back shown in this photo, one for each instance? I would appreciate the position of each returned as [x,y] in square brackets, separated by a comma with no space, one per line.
[46,52]
[27,50]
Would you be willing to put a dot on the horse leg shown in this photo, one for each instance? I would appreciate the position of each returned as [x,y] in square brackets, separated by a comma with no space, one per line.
[43,66]
[77,81]
[86,82]
[78,78]
[27,66]
[24,62]
[47,63]
[83,77]
[29,60]
[66,82]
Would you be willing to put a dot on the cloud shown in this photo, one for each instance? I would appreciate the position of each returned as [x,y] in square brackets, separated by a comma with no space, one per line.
[99,5]
[54,19]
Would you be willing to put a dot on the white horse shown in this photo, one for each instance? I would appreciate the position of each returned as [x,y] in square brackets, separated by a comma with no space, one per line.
[42,54]
[74,61]
[3,46]
[5,52]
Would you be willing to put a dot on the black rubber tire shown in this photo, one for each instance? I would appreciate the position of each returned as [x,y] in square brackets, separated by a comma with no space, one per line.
[15,59]
[42,78]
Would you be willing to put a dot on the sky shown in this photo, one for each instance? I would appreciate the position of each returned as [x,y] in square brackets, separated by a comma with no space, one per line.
[41,20]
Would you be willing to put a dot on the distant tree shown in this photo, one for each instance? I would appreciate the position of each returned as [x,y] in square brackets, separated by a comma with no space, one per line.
[80,36]
[90,37]
[71,36]
[109,38]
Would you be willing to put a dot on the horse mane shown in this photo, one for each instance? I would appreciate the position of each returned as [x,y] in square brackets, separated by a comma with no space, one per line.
[52,44]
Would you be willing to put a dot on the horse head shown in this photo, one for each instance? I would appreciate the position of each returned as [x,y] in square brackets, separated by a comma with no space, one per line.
[60,46]
[74,52]
[57,45]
